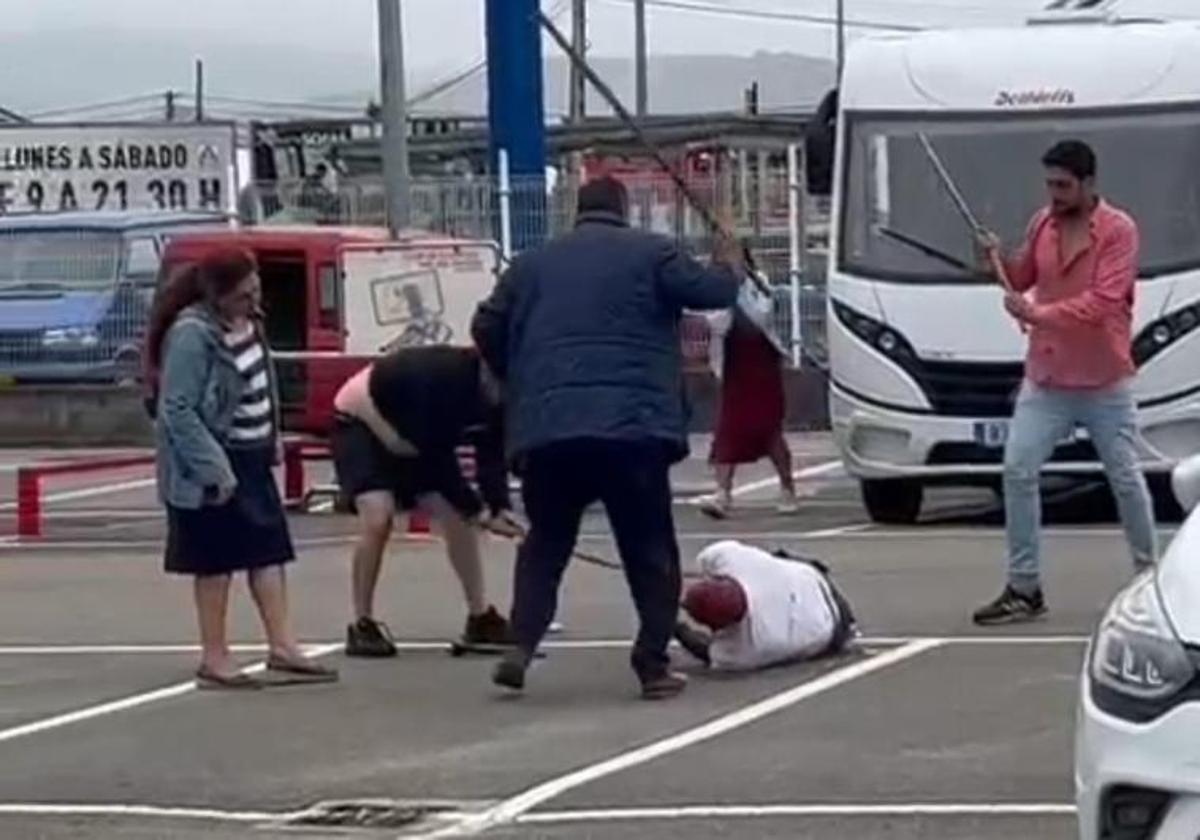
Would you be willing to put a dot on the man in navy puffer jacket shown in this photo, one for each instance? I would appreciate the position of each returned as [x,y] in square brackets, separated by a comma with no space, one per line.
[584,333]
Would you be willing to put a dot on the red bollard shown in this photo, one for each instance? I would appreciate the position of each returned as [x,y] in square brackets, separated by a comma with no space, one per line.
[29,503]
[293,473]
[419,524]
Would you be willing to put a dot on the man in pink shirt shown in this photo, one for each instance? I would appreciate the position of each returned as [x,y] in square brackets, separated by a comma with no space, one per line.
[1080,262]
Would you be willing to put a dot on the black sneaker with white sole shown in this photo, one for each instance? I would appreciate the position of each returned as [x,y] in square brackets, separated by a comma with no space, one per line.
[1012,607]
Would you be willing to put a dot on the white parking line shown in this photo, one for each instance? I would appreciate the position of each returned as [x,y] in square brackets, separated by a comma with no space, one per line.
[815,471]
[415,646]
[512,809]
[89,492]
[697,812]
[37,809]
[132,702]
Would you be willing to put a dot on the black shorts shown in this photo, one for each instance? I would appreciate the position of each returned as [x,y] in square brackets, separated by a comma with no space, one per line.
[364,465]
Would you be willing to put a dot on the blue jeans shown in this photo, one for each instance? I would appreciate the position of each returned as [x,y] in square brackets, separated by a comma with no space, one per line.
[1044,417]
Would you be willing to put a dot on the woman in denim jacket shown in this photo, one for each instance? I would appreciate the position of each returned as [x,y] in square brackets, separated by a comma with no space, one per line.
[217,433]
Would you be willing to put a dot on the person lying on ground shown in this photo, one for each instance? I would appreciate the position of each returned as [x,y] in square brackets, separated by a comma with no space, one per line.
[763,609]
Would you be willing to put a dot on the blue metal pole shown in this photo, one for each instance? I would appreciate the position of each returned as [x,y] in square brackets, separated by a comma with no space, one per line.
[516,110]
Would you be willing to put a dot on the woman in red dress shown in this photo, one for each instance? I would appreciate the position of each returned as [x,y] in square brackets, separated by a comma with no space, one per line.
[750,423]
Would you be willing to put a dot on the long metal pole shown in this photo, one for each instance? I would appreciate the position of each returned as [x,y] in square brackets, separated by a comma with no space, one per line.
[639,37]
[397,182]
[841,38]
[578,91]
[689,195]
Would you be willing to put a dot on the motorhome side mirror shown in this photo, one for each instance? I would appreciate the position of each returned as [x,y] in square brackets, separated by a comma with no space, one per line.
[1185,482]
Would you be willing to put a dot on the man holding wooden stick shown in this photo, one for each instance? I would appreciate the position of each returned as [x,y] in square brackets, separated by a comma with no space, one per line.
[1080,261]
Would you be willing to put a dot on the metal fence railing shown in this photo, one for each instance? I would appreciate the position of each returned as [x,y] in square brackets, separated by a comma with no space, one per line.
[74,303]
[766,206]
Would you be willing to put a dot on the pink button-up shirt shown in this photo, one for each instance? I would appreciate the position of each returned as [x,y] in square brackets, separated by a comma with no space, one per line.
[1083,305]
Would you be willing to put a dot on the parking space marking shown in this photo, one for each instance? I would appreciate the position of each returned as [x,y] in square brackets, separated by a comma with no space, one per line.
[696,812]
[89,492]
[418,645]
[509,810]
[131,702]
[21,809]
[815,471]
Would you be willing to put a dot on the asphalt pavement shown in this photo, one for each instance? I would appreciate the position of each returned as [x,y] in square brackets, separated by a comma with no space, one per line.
[931,729]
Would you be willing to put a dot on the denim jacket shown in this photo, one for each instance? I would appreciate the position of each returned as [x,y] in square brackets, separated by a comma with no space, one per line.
[199,393]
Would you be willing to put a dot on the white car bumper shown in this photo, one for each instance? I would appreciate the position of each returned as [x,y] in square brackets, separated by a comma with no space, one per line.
[879,443]
[1163,755]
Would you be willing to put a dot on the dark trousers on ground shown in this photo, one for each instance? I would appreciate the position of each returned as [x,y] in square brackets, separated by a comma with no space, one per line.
[632,481]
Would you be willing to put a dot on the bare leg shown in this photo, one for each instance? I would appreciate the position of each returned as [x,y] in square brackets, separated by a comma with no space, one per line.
[781,456]
[212,606]
[718,506]
[462,549]
[376,511]
[269,588]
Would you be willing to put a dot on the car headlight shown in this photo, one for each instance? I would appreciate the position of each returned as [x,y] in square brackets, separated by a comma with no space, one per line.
[1138,664]
[71,336]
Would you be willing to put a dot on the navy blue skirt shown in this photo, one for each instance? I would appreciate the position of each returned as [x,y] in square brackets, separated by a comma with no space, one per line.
[250,531]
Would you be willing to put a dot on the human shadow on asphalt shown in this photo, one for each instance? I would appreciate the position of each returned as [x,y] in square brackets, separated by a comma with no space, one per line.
[1064,502]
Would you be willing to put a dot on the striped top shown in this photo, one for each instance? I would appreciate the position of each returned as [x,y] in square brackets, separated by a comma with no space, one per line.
[253,421]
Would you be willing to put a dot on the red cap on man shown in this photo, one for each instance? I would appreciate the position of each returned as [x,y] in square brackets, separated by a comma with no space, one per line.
[716,603]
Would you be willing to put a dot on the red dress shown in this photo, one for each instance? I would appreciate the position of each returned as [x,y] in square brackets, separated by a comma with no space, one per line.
[752,401]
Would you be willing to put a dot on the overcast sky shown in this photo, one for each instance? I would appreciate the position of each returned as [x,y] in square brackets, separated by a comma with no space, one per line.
[349,24]
[441,35]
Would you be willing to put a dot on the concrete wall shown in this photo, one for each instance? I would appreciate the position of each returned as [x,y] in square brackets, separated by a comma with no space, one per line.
[73,415]
[88,416]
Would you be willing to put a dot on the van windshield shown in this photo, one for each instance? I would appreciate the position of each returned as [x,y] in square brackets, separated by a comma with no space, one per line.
[899,222]
[58,260]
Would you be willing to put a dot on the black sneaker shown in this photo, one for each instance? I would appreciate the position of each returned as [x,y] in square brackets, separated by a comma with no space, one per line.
[510,672]
[370,639]
[664,686]
[489,629]
[1012,607]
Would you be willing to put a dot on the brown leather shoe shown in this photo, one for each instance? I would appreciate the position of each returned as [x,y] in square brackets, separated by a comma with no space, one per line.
[664,686]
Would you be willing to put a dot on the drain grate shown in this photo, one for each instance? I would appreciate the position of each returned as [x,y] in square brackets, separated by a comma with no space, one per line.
[366,814]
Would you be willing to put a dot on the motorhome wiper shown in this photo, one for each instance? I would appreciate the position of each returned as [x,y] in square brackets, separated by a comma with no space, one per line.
[926,249]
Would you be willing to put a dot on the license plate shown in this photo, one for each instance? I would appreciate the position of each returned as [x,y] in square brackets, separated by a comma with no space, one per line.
[993,434]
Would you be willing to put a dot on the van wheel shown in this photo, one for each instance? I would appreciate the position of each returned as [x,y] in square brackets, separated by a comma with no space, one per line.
[1166,506]
[893,501]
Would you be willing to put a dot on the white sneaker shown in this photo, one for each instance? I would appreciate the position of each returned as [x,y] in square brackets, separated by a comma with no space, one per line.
[788,503]
[717,506]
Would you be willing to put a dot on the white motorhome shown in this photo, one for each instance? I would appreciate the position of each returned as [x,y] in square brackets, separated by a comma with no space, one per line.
[925,363]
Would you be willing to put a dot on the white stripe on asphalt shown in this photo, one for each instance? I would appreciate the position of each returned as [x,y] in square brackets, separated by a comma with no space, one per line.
[698,812]
[512,809]
[132,702]
[561,644]
[89,492]
[815,471]
[18,809]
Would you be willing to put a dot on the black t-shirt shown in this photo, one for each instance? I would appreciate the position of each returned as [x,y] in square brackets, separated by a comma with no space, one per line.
[432,397]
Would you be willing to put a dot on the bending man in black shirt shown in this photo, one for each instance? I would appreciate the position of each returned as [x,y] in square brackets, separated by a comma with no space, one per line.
[399,423]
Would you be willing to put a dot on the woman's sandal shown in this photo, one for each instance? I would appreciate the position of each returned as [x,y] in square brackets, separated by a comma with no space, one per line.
[298,672]
[207,680]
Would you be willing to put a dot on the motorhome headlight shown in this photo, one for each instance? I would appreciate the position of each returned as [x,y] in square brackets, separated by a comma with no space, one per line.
[1137,656]
[71,337]
[1161,334]
[883,338]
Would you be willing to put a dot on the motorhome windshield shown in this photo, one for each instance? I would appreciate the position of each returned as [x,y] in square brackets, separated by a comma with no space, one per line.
[58,260]
[899,222]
